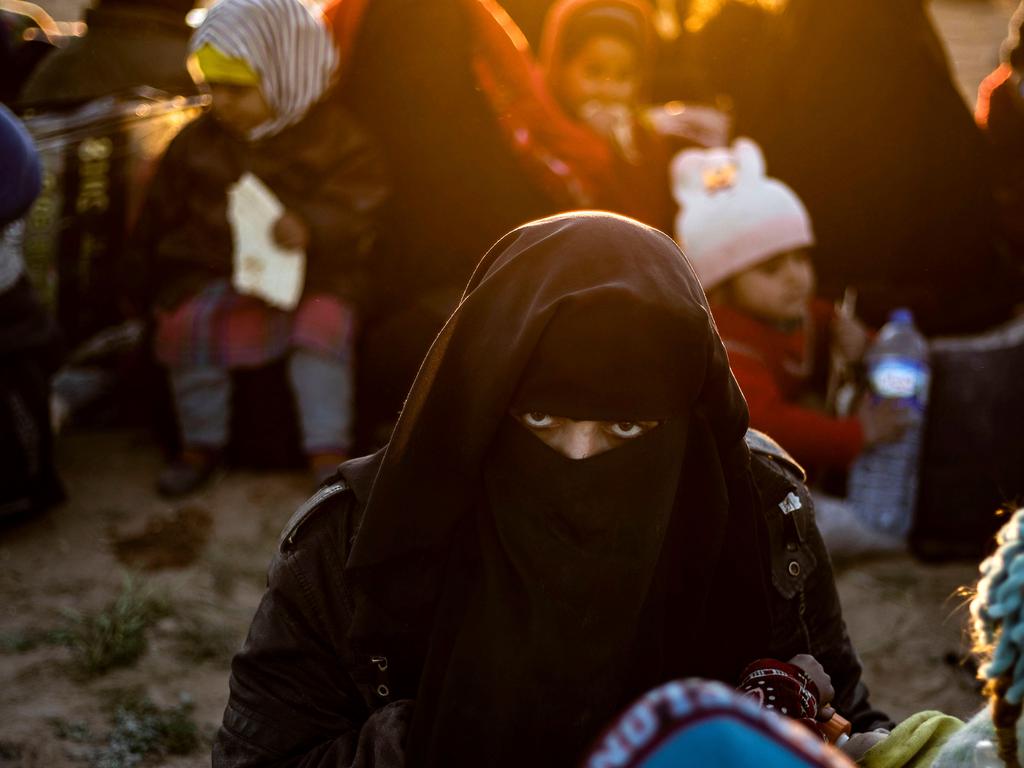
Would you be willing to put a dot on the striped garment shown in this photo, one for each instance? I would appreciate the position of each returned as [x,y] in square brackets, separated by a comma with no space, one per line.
[220,328]
[286,42]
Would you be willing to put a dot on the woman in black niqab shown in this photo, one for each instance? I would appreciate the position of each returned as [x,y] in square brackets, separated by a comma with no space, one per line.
[542,593]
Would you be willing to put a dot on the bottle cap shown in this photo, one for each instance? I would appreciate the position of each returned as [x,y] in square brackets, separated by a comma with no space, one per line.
[901,315]
[832,729]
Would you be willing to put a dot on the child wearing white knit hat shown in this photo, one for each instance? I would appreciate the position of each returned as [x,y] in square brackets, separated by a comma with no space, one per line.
[748,237]
[732,216]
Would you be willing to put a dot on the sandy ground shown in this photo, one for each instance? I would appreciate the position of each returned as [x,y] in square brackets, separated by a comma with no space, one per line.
[65,561]
[905,617]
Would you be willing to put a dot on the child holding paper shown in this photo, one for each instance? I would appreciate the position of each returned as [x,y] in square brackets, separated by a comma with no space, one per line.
[274,127]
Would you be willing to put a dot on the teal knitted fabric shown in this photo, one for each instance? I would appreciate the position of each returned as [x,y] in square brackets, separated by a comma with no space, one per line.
[997,612]
[961,749]
[998,608]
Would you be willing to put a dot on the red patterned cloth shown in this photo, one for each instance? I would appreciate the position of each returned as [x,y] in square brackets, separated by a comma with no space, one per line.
[223,329]
[783,688]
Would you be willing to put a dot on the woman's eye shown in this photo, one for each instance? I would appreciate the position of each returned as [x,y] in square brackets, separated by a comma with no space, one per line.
[628,429]
[537,420]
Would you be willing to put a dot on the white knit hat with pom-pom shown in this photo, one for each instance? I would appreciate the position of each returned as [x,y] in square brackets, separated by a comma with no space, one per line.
[732,216]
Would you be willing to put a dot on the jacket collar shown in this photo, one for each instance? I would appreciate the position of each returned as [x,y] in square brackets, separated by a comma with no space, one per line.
[360,473]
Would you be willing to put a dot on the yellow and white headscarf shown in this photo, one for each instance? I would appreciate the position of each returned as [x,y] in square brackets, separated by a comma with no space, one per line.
[282,46]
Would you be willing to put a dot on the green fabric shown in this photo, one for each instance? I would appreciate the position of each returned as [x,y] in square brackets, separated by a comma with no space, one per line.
[914,743]
[217,67]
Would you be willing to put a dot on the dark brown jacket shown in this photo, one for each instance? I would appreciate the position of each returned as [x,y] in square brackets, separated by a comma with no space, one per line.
[325,168]
[301,695]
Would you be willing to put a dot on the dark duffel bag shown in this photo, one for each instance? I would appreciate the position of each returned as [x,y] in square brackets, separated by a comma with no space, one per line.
[973,455]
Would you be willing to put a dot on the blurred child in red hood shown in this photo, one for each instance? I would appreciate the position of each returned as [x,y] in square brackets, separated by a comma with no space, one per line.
[596,58]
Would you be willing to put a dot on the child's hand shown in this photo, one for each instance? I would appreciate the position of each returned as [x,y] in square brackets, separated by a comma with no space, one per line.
[883,421]
[850,337]
[706,126]
[615,123]
[607,119]
[291,232]
[813,669]
[860,743]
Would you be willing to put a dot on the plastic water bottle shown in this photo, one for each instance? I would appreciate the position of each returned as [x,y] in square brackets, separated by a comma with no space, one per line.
[883,480]
[986,755]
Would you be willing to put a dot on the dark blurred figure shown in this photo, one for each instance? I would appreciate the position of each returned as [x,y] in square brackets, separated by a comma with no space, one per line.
[855,107]
[475,144]
[457,183]
[725,48]
[529,17]
[29,343]
[23,44]
[129,43]
[1000,113]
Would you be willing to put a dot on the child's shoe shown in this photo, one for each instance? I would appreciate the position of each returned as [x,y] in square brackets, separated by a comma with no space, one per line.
[189,472]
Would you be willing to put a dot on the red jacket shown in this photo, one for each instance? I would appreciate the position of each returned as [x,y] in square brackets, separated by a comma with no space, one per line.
[773,368]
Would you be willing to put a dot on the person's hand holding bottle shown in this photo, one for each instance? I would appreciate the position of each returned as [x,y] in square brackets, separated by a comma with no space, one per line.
[850,337]
[883,421]
[703,125]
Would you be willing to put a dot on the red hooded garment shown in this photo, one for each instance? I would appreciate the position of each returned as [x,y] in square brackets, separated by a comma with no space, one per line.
[637,187]
[772,367]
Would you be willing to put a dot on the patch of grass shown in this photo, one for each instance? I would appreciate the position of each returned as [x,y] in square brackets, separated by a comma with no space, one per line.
[116,636]
[75,731]
[228,566]
[20,641]
[223,574]
[9,750]
[25,640]
[198,641]
[142,731]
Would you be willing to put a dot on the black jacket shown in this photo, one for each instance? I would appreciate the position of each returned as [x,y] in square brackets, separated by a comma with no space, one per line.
[301,695]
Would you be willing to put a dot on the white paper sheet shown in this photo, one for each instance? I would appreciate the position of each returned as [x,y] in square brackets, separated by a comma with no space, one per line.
[261,267]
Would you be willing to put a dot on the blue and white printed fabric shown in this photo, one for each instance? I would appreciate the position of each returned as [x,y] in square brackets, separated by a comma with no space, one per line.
[704,723]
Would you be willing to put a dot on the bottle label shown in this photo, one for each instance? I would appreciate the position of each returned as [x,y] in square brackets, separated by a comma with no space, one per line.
[898,379]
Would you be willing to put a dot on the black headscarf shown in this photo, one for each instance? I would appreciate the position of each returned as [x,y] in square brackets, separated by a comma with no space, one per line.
[543,593]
